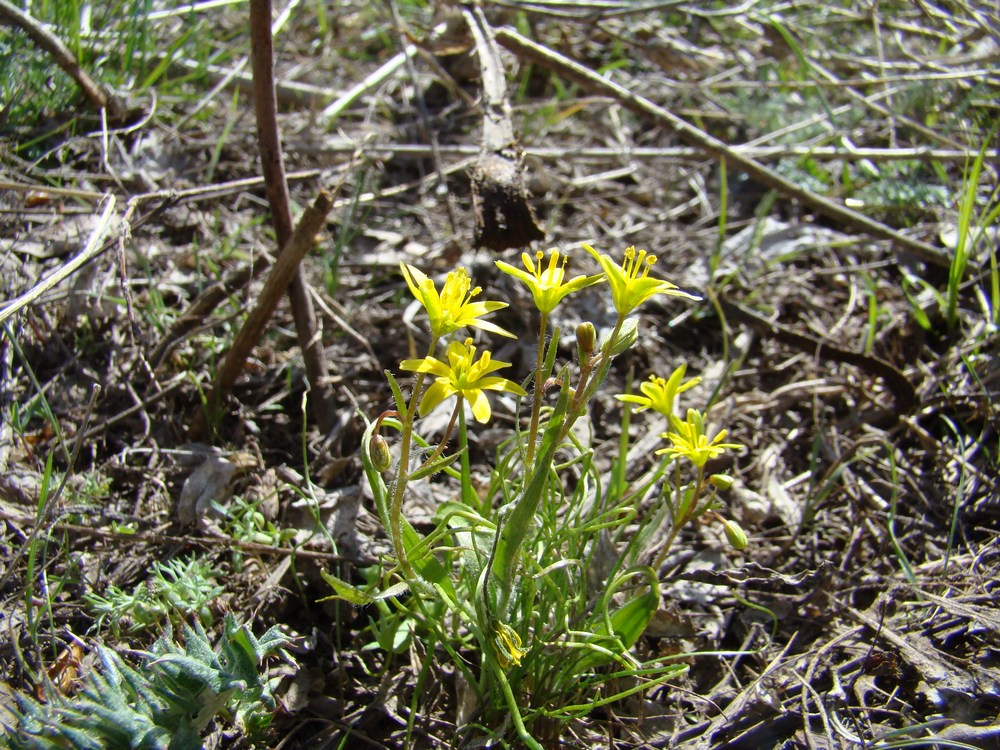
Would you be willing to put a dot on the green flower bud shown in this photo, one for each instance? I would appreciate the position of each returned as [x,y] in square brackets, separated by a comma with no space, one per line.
[735,535]
[586,341]
[378,449]
[721,482]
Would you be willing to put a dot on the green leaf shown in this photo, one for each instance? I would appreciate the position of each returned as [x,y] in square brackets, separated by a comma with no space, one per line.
[627,337]
[435,466]
[397,394]
[358,597]
[346,591]
[624,625]
[514,529]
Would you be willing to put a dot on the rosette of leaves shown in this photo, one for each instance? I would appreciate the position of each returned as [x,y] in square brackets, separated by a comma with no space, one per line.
[167,703]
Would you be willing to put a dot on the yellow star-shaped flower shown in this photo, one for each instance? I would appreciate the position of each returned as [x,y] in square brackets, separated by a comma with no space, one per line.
[659,394]
[689,440]
[452,308]
[631,284]
[462,375]
[547,283]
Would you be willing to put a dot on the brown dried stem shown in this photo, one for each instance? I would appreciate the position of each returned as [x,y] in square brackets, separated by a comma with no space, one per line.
[282,272]
[504,218]
[51,44]
[307,326]
[528,49]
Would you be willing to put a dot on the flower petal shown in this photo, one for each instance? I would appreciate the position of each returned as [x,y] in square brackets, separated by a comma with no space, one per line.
[440,390]
[480,406]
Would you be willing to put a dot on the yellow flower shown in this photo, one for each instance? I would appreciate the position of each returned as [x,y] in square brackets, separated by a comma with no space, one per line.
[631,284]
[690,441]
[462,375]
[453,308]
[546,282]
[506,644]
[659,394]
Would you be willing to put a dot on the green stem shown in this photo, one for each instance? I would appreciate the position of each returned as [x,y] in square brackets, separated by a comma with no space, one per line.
[447,434]
[681,519]
[396,507]
[588,385]
[468,494]
[536,401]
[515,712]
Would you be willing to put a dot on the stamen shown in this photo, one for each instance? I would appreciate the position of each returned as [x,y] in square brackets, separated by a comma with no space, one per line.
[650,262]
[629,264]
[640,262]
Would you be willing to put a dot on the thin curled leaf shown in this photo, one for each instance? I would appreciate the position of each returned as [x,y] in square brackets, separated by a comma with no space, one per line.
[359,597]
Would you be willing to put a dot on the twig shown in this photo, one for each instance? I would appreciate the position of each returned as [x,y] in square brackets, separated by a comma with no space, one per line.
[93,248]
[123,538]
[24,187]
[308,329]
[902,390]
[529,49]
[376,78]
[284,270]
[51,44]
[225,77]
[819,153]
[498,124]
[214,295]
[426,131]
[504,218]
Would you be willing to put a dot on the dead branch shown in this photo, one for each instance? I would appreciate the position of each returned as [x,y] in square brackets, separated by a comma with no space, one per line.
[94,247]
[733,157]
[281,274]
[504,218]
[308,328]
[51,44]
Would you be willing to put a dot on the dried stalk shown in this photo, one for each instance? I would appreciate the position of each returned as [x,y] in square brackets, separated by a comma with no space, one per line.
[504,218]
[733,157]
[281,274]
[51,44]
[307,327]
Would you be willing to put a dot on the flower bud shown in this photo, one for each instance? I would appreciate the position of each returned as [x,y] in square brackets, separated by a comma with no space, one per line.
[586,341]
[721,482]
[735,535]
[378,449]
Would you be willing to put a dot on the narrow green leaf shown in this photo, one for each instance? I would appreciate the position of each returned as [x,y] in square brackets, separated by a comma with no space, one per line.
[397,394]
[435,466]
[515,528]
[346,591]
[167,60]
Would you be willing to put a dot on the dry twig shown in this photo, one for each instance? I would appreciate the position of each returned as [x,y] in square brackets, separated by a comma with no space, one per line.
[282,273]
[531,50]
[308,328]
[504,218]
[51,44]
